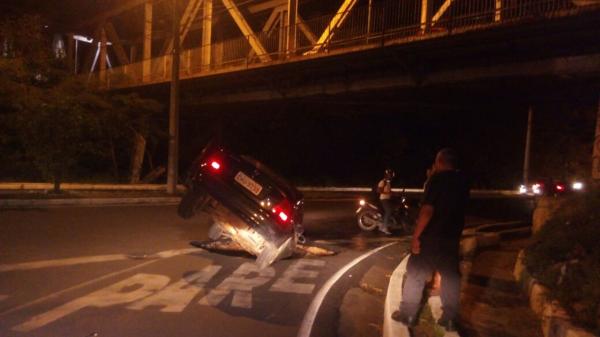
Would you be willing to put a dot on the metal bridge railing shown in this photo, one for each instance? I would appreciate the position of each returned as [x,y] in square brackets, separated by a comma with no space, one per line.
[385,23]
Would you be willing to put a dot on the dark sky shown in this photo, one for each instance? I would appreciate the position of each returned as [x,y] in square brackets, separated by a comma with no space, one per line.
[61,14]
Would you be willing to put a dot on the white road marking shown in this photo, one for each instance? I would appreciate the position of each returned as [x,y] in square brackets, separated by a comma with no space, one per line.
[313,309]
[241,285]
[362,240]
[177,296]
[62,262]
[287,283]
[89,259]
[392,328]
[175,252]
[142,284]
[75,287]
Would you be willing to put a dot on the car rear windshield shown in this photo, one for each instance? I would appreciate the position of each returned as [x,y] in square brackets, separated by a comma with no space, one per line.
[282,182]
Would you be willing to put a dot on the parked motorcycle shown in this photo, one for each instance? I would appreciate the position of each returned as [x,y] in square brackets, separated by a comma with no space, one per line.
[369,215]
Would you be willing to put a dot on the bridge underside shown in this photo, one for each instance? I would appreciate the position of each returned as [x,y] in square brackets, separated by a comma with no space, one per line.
[294,48]
[522,59]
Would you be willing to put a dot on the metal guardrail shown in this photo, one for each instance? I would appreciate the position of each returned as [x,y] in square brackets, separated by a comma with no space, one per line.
[477,193]
[363,27]
[27,186]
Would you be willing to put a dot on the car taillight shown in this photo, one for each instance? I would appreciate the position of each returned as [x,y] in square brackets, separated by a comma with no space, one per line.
[282,212]
[282,216]
[215,165]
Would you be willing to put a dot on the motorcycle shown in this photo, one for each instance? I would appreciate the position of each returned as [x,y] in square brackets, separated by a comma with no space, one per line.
[369,216]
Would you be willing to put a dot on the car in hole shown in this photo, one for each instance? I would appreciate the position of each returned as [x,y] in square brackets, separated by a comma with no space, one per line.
[251,205]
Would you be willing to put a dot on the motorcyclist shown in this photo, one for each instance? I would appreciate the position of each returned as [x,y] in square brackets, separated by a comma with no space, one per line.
[384,189]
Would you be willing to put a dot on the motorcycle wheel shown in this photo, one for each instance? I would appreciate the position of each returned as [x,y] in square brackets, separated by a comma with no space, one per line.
[368,220]
[190,202]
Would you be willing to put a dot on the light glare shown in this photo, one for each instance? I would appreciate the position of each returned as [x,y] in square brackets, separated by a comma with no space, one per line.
[283,216]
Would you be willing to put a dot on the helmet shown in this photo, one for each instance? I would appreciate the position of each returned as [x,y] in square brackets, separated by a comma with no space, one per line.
[389,172]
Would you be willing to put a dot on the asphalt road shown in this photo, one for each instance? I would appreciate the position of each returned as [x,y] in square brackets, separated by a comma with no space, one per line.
[130,271]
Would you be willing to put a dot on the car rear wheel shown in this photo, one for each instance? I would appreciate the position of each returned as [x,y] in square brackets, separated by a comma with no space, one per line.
[192,201]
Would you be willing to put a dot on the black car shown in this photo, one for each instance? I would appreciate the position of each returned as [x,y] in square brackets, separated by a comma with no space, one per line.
[250,203]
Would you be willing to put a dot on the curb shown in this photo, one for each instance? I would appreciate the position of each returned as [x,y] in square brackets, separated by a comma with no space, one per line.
[392,328]
[479,238]
[555,321]
[34,203]
[471,241]
[25,186]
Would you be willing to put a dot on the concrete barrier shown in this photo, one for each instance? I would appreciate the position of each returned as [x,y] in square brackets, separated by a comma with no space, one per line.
[554,319]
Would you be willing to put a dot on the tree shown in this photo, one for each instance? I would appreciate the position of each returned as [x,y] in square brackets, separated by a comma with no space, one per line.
[130,121]
[56,120]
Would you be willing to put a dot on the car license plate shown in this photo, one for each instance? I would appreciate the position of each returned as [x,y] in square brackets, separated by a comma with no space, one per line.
[248,183]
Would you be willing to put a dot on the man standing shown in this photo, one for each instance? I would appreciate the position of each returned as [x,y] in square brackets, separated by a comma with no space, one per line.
[384,188]
[435,242]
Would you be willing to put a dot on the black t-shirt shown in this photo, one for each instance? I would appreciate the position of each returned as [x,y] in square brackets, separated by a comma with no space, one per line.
[447,192]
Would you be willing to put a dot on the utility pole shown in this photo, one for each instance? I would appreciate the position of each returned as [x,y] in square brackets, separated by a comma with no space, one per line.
[527,147]
[174,108]
[596,154]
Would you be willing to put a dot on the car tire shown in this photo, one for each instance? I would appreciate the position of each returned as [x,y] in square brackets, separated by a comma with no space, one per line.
[190,202]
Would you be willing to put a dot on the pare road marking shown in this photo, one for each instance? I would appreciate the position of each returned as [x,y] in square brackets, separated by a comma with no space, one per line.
[90,259]
[288,283]
[143,285]
[178,295]
[143,291]
[247,277]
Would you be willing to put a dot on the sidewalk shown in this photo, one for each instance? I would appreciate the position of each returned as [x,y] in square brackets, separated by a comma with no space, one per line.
[492,304]
[34,199]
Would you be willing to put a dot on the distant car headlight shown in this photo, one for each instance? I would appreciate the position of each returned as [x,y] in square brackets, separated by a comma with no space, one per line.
[522,189]
[577,186]
[362,202]
[536,189]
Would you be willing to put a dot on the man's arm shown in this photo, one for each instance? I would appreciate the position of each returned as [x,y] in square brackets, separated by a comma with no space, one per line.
[425,215]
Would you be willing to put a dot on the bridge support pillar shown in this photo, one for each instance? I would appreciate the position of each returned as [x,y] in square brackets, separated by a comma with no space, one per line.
[103,56]
[426,11]
[206,34]
[498,10]
[147,62]
[596,154]
[292,14]
[71,53]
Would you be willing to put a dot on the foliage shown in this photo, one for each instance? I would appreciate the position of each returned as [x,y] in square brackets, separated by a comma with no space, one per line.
[54,121]
[566,258]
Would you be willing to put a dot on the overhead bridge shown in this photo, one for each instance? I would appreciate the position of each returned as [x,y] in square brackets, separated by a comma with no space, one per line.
[132,45]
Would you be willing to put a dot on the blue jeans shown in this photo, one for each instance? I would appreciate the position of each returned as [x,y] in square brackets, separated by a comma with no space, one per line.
[419,270]
[387,212]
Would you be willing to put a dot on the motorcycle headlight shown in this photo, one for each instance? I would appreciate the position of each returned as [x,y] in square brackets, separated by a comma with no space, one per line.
[362,202]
